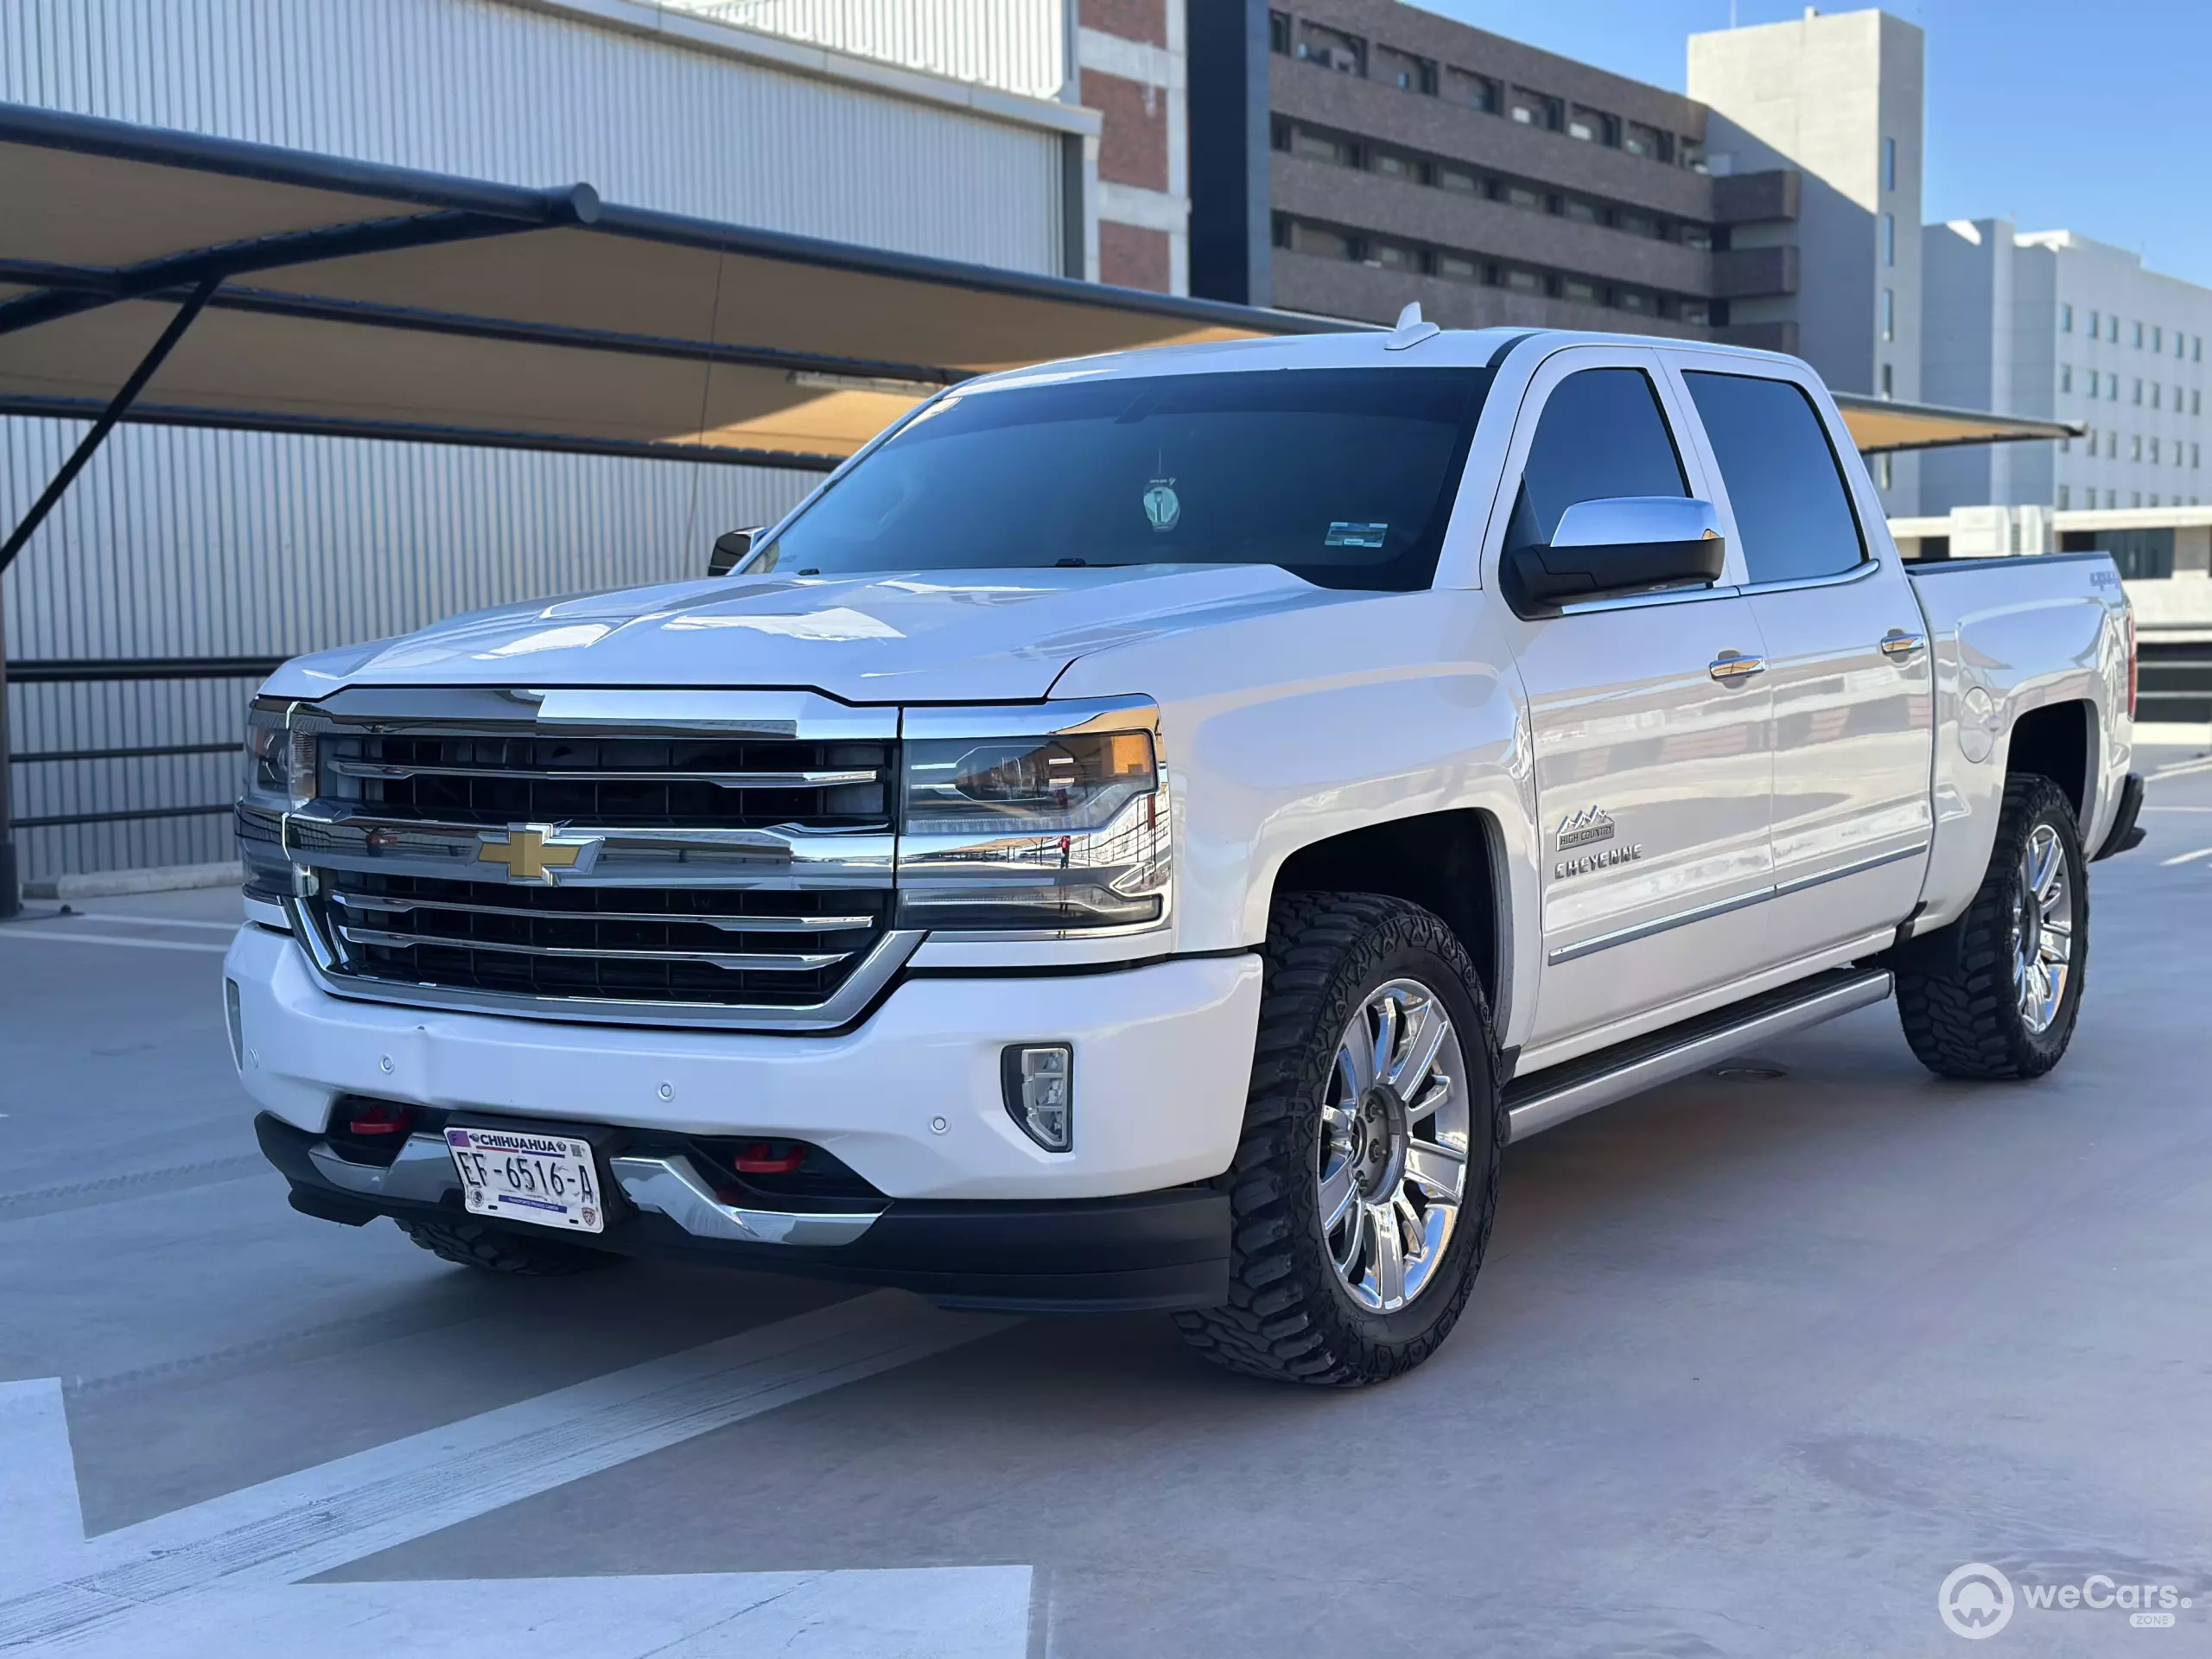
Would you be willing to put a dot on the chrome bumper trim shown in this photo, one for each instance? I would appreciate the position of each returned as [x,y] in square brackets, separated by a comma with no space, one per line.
[672,1187]
[422,1173]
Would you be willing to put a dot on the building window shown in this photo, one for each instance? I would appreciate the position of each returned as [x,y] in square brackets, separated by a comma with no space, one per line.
[2197,348]
[2181,345]
[1647,142]
[1455,178]
[1889,314]
[1278,32]
[1457,268]
[2138,390]
[2177,395]
[1584,212]
[2065,318]
[2138,336]
[1575,289]
[1326,245]
[1633,299]
[2195,456]
[1697,237]
[2154,394]
[1475,91]
[1523,282]
[1534,109]
[2112,327]
[1520,195]
[1883,475]
[2154,497]
[2112,446]
[1691,154]
[1332,48]
[1392,166]
[2158,339]
[2135,447]
[2096,324]
[2196,403]
[1889,381]
[1697,312]
[2064,495]
[1889,164]
[1393,256]
[1889,238]
[1319,147]
[1593,127]
[1635,224]
[2135,498]
[2112,498]
[1403,70]
[2066,377]
[2112,388]
[2154,452]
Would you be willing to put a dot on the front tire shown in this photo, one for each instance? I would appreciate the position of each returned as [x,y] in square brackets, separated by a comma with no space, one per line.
[1996,994]
[1365,1185]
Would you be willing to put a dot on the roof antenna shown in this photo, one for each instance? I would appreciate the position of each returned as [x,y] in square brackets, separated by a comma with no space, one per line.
[1411,329]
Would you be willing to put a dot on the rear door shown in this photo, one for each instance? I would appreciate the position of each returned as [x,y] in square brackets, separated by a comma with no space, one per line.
[1848,662]
[1651,765]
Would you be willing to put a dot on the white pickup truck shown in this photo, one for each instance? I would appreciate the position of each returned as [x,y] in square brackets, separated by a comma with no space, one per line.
[1149,830]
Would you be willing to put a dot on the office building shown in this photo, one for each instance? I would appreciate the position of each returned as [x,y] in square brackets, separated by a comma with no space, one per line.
[2052,323]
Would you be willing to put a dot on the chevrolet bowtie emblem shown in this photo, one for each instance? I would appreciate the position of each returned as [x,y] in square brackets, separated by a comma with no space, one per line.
[532,852]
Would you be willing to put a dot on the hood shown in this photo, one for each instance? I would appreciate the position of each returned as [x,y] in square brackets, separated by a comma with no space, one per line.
[930,635]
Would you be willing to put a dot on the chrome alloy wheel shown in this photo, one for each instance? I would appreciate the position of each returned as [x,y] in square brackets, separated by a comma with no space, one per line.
[1393,1148]
[2042,929]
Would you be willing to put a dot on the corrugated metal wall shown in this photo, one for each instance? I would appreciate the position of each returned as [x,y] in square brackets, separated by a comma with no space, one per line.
[199,544]
[182,543]
[1019,46]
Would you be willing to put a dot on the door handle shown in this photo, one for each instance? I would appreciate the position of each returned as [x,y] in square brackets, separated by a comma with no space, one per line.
[1898,644]
[1731,667]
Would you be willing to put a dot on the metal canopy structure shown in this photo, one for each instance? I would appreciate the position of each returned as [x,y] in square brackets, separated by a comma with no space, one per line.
[159,277]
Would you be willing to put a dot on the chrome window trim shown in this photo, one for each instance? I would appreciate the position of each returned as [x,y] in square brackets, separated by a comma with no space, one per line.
[1859,572]
[1637,601]
[875,971]
[1722,907]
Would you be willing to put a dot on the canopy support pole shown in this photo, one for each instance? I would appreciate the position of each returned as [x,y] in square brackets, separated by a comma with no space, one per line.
[11,901]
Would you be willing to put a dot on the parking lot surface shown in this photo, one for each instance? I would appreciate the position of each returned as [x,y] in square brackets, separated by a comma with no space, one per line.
[1755,1362]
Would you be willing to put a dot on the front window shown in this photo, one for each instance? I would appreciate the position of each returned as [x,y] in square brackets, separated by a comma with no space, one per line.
[1343,477]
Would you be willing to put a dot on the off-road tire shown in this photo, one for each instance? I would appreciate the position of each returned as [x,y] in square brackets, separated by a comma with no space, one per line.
[496,1250]
[1957,994]
[1288,1318]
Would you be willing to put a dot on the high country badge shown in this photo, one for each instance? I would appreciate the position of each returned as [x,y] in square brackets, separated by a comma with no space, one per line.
[1592,824]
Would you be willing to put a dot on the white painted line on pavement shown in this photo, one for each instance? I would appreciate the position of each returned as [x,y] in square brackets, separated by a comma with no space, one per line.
[104,938]
[2182,768]
[157,921]
[942,1613]
[2185,858]
[301,1524]
[2178,809]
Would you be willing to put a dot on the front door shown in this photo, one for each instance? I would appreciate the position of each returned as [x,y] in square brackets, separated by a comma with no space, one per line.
[1651,759]
[1847,665]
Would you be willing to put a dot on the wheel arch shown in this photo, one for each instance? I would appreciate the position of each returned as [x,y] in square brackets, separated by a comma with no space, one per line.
[2058,741]
[1452,863]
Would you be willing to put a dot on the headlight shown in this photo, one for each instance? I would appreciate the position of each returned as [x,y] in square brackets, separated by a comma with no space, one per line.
[279,761]
[1055,832]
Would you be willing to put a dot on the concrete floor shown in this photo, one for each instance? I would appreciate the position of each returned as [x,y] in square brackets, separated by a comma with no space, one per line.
[1751,1367]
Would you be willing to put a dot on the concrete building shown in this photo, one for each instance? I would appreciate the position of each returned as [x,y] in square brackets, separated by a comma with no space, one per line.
[2050,321]
[186,547]
[1839,99]
[1349,155]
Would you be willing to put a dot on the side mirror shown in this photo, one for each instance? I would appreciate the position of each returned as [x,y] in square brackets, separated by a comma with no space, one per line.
[731,548]
[1624,544]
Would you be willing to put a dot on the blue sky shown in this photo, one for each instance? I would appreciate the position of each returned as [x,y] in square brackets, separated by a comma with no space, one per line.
[2064,116]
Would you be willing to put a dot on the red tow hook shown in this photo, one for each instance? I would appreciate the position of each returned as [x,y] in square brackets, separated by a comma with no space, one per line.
[761,1158]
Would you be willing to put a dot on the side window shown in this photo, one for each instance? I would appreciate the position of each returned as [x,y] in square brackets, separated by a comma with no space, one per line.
[1793,514]
[1602,434]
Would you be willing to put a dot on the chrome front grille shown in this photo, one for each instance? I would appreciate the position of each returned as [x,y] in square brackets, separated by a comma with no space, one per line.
[730,863]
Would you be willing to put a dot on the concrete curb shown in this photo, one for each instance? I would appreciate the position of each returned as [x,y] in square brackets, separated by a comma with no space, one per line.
[113,884]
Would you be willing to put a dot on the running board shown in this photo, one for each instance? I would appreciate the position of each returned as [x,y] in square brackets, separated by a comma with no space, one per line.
[1551,1096]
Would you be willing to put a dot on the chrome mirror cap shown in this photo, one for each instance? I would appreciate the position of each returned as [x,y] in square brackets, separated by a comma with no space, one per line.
[1622,519]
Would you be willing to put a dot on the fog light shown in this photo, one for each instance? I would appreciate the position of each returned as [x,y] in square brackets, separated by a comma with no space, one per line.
[1039,1083]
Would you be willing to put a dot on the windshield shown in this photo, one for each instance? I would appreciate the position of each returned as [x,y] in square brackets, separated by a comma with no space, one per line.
[1344,477]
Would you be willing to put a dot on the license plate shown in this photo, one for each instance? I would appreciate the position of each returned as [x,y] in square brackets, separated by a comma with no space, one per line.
[546,1179]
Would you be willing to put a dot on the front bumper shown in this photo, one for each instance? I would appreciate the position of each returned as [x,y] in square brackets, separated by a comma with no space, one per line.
[911,1100]
[1166,1249]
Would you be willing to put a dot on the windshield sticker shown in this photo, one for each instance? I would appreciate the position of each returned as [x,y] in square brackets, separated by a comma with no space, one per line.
[1344,534]
[1161,506]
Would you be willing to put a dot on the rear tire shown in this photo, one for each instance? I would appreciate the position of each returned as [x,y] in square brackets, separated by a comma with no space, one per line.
[1333,1153]
[495,1250]
[1996,994]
